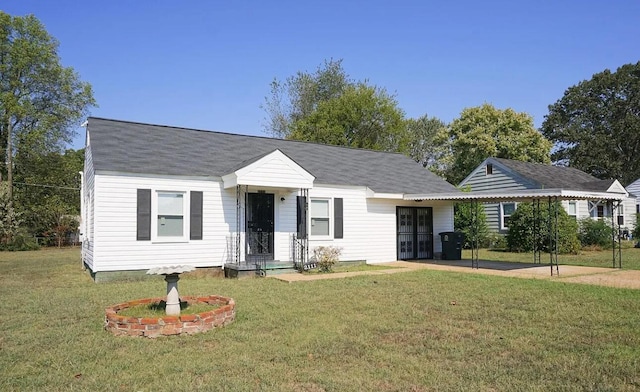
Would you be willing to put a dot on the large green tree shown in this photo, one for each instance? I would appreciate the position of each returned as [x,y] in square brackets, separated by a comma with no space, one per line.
[299,95]
[596,125]
[329,107]
[362,116]
[40,100]
[425,142]
[484,131]
[48,190]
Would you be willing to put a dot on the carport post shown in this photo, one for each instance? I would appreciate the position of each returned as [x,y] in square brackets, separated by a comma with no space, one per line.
[474,234]
[537,226]
[553,234]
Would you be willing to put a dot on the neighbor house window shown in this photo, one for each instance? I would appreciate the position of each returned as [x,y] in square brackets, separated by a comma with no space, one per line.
[319,210]
[596,210]
[170,214]
[507,209]
[489,169]
[620,215]
[573,210]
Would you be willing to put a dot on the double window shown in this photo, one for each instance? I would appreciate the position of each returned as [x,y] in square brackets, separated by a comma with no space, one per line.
[169,215]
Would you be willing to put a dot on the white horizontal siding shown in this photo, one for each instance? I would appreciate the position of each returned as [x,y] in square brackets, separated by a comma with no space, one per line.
[370,224]
[116,247]
[274,172]
[88,215]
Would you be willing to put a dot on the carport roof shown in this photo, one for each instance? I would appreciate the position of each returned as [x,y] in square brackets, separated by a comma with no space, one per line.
[523,195]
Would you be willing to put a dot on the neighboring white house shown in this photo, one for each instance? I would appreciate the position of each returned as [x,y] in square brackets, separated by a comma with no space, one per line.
[157,196]
[506,175]
[634,191]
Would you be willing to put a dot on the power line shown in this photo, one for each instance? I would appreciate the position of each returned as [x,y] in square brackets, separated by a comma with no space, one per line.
[47,186]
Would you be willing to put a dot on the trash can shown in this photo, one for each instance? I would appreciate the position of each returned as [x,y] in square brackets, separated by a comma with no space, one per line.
[451,245]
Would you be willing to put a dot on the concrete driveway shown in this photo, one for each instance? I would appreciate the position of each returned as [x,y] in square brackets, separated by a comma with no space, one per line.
[568,273]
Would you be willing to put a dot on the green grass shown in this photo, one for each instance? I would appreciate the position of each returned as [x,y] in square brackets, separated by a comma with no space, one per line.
[589,258]
[398,332]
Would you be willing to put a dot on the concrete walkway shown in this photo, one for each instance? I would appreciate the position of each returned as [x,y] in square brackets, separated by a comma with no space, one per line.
[568,273]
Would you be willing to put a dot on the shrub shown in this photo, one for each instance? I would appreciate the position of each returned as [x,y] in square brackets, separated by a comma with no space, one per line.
[520,236]
[636,230]
[494,241]
[326,257]
[20,242]
[462,222]
[597,233]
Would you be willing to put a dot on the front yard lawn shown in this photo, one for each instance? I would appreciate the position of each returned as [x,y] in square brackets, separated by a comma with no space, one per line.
[416,331]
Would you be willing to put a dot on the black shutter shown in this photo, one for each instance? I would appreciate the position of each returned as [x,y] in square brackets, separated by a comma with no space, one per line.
[144,215]
[195,216]
[301,216]
[337,218]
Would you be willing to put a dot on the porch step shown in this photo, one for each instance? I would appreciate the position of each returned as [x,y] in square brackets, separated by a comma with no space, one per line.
[280,271]
[279,267]
[249,269]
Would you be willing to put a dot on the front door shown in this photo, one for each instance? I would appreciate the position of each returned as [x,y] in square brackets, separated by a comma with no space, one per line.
[259,226]
[415,233]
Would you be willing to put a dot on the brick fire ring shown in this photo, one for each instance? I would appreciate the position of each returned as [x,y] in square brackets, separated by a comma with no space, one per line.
[152,327]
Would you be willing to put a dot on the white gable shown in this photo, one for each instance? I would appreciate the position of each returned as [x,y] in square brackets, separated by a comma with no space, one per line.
[272,170]
[616,187]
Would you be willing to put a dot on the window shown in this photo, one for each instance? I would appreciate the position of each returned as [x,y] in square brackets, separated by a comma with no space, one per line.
[319,217]
[489,169]
[573,210]
[620,214]
[170,214]
[597,210]
[174,213]
[507,209]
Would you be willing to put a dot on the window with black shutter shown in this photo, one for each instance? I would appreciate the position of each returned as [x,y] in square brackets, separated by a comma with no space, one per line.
[143,226]
[195,216]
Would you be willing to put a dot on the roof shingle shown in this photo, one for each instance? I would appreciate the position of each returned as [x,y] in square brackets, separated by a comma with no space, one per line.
[130,147]
[556,177]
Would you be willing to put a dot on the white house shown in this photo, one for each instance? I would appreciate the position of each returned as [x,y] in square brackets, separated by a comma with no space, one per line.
[506,175]
[157,196]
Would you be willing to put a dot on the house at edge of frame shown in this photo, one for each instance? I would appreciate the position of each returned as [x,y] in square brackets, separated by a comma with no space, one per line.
[156,195]
[506,175]
[634,191]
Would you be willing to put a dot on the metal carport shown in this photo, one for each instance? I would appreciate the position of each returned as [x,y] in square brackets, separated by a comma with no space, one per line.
[536,196]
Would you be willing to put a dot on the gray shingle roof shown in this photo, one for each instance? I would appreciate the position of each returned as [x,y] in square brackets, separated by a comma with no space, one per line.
[130,147]
[555,177]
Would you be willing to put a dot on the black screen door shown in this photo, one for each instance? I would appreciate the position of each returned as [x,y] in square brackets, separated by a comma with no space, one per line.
[259,226]
[415,233]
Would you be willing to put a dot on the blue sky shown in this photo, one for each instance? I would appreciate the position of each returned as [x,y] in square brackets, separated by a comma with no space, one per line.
[208,64]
